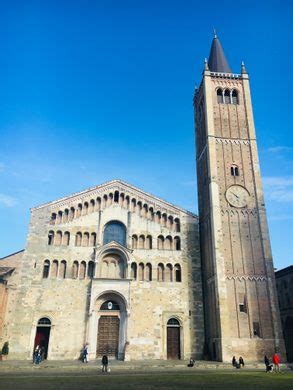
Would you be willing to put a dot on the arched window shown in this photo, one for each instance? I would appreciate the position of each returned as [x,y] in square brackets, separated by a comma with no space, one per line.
[71,213]
[170,222]
[93,239]
[79,210]
[44,322]
[65,215]
[75,269]
[158,217]
[148,272]
[59,217]
[160,242]
[177,225]
[234,97]
[160,275]
[227,98]
[138,207]
[177,243]
[141,271]
[51,237]
[168,273]
[91,269]
[116,196]
[177,270]
[92,206]
[134,241]
[168,243]
[149,243]
[46,269]
[219,95]
[62,269]
[234,170]
[141,242]
[105,199]
[145,210]
[85,208]
[98,203]
[164,219]
[54,271]
[53,219]
[82,270]
[78,237]
[85,239]
[66,238]
[151,213]
[58,238]
[133,271]
[115,231]
[173,322]
[133,205]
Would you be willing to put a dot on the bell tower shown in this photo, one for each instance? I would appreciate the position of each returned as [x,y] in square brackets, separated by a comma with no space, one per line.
[241,308]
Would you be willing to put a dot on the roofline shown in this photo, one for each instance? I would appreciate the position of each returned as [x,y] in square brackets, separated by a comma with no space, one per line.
[76,194]
[284,271]
[15,253]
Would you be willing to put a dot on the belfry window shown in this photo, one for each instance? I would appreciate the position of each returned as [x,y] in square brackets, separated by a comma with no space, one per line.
[220,95]
[227,98]
[46,269]
[234,96]
[234,170]
[115,231]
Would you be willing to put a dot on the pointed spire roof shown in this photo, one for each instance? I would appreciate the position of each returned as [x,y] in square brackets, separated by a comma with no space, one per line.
[217,60]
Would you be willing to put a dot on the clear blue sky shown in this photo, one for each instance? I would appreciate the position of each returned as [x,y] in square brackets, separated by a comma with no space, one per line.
[96,90]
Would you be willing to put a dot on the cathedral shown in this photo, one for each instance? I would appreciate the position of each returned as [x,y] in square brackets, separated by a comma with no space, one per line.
[135,277]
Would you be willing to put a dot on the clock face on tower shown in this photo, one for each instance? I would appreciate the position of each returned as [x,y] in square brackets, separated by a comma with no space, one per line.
[237,196]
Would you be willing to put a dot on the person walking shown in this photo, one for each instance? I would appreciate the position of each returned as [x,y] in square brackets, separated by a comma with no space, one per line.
[85,354]
[276,361]
[105,362]
[241,362]
[35,355]
[267,364]
[234,361]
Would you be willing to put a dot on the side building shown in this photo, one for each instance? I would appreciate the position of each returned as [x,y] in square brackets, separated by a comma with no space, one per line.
[284,278]
[113,267]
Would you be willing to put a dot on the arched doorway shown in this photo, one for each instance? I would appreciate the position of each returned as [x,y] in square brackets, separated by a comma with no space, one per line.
[173,339]
[42,337]
[111,326]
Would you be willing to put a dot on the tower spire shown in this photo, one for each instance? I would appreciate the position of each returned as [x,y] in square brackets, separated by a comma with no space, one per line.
[217,59]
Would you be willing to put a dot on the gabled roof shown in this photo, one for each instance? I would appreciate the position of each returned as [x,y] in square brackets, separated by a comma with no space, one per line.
[114,185]
[4,271]
[217,60]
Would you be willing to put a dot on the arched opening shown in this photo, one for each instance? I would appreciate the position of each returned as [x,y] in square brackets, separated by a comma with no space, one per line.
[54,271]
[134,241]
[75,267]
[46,269]
[141,242]
[78,239]
[168,273]
[62,269]
[160,243]
[58,238]
[149,242]
[111,329]
[227,98]
[235,97]
[91,269]
[53,218]
[65,215]
[112,266]
[173,339]
[177,270]
[133,271]
[219,95]
[160,273]
[115,231]
[177,243]
[51,237]
[92,206]
[82,270]
[141,272]
[148,272]
[66,238]
[168,243]
[85,239]
[42,337]
[177,225]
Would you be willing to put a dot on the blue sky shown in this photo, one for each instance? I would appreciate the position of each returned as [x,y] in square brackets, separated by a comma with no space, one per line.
[96,90]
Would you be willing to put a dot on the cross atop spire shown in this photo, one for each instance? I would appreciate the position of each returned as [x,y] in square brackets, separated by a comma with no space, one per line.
[217,59]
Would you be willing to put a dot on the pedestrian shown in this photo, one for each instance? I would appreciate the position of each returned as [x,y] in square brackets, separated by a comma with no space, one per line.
[276,360]
[42,353]
[35,354]
[85,354]
[105,362]
[191,363]
[234,361]
[241,362]
[267,364]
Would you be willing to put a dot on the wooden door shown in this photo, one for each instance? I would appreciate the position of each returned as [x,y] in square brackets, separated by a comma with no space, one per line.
[108,336]
[173,342]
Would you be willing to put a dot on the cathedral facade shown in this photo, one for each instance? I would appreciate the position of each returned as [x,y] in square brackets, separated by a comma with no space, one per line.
[136,277]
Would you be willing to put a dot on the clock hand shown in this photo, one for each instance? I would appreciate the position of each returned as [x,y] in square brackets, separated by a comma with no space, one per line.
[235,195]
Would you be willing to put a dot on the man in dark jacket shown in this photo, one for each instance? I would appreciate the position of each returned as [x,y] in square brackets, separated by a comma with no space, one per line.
[105,363]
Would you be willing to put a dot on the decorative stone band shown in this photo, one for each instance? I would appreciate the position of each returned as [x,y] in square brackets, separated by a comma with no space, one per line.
[227,141]
[226,75]
[257,278]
